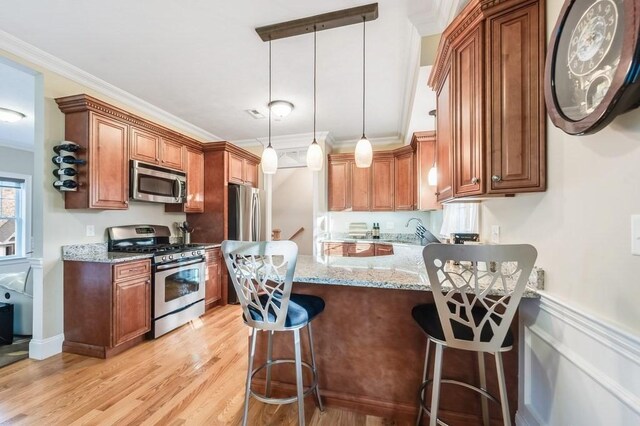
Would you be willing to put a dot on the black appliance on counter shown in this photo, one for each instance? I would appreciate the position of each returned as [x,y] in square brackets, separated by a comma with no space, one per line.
[461,238]
[178,273]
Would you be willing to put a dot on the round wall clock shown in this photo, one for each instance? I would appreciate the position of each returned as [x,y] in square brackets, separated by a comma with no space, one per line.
[593,64]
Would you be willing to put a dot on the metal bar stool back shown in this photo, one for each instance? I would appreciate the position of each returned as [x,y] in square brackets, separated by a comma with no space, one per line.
[477,290]
[262,276]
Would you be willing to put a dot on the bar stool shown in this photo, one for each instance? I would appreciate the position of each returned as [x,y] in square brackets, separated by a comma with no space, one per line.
[466,316]
[262,275]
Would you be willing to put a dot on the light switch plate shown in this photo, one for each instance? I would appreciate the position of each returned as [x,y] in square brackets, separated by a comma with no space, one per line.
[635,235]
[495,234]
[91,231]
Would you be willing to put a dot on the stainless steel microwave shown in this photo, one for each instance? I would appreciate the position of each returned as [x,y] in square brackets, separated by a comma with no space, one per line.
[157,184]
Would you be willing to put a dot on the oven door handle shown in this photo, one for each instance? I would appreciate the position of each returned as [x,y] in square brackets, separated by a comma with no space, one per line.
[178,265]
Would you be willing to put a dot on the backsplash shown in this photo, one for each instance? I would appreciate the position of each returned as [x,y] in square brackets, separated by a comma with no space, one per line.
[390,222]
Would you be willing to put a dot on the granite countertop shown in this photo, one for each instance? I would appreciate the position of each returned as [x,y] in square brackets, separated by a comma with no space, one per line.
[404,270]
[98,253]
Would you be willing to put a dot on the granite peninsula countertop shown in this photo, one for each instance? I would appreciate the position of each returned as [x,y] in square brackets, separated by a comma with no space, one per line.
[97,252]
[404,270]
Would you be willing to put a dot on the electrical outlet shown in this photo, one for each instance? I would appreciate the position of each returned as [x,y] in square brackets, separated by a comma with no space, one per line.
[390,226]
[91,231]
[495,234]
[635,235]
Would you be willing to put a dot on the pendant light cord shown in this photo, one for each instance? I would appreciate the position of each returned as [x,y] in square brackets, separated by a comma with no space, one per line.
[364,21]
[314,83]
[269,146]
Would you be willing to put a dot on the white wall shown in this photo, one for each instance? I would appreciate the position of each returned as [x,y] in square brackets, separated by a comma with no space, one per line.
[293,206]
[581,225]
[390,222]
[14,160]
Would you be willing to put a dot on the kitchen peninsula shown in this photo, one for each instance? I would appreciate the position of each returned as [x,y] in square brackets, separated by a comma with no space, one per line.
[368,348]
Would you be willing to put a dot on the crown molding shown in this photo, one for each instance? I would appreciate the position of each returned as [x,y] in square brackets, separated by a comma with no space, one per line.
[5,143]
[54,64]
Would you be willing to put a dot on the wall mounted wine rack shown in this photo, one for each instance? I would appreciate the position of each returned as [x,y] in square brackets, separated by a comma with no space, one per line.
[66,173]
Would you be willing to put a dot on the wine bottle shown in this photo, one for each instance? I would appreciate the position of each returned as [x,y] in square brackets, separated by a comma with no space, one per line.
[67,159]
[69,147]
[66,171]
[65,184]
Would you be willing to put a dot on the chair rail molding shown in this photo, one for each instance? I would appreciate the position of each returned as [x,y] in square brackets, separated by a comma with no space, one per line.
[575,368]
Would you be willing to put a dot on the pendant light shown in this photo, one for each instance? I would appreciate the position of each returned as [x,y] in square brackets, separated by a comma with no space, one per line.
[269,161]
[432,176]
[315,156]
[364,152]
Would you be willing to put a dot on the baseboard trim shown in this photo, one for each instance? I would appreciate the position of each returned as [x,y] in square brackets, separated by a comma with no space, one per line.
[45,348]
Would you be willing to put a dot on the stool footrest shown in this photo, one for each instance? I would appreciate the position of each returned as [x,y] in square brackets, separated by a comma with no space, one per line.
[287,400]
[481,391]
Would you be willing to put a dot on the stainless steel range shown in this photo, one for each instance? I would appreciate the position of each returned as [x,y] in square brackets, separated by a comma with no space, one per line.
[178,273]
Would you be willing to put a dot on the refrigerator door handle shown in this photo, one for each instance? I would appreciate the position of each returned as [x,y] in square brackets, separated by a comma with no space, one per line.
[255,211]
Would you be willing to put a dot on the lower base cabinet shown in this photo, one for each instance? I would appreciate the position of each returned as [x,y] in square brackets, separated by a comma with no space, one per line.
[213,286]
[107,307]
[357,249]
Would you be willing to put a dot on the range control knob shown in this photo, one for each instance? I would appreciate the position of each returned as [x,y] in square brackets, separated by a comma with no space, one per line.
[193,253]
[199,252]
[182,254]
[164,258]
[170,257]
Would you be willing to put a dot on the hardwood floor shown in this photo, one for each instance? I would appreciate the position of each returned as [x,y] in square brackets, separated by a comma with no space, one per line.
[192,376]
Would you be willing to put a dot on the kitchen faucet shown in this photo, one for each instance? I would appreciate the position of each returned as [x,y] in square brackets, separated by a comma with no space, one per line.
[420,230]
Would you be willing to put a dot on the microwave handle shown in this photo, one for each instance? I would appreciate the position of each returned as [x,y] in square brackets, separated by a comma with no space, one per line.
[177,189]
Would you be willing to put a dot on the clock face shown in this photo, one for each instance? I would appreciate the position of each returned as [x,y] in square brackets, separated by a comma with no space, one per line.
[587,56]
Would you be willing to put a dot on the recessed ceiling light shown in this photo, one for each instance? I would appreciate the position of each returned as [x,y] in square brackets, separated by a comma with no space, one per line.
[10,116]
[280,108]
[255,113]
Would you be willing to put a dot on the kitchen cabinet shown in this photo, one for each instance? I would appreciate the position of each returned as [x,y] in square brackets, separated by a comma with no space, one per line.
[108,138]
[339,179]
[490,108]
[405,179]
[425,143]
[195,184]
[107,307]
[382,176]
[360,187]
[242,170]
[358,249]
[213,285]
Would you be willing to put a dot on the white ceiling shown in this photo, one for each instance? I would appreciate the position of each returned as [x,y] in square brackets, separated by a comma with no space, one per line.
[202,61]
[17,92]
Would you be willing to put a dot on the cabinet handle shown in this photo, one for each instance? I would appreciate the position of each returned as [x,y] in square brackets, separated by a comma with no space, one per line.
[496,178]
[474,180]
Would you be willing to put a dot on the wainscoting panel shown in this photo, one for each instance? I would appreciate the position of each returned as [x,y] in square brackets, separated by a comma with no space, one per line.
[575,369]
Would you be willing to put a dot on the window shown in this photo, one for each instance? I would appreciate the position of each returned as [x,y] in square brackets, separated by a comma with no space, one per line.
[14,215]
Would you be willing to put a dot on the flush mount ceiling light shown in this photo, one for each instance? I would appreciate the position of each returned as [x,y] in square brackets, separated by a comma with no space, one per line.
[280,108]
[10,116]
[364,151]
[269,161]
[326,21]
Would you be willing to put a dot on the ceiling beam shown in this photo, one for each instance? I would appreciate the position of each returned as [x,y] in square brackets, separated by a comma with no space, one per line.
[325,21]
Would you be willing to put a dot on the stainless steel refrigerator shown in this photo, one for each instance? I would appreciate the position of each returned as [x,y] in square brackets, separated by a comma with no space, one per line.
[244,219]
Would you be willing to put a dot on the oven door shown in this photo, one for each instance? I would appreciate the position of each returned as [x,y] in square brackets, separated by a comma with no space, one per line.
[178,286]
[156,184]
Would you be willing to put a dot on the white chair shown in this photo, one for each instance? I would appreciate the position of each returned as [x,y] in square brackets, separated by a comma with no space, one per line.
[262,275]
[476,290]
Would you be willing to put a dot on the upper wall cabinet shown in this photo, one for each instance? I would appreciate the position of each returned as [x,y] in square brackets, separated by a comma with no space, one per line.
[109,137]
[490,105]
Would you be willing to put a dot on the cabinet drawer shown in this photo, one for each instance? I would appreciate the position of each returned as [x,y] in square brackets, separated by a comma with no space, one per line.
[128,270]
[384,249]
[335,249]
[360,250]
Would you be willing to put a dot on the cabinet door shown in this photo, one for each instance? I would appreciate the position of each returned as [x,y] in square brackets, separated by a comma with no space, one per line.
[383,249]
[335,249]
[132,309]
[360,188]
[468,73]
[425,159]
[404,181]
[143,146]
[108,163]
[444,141]
[251,173]
[236,169]
[382,183]
[172,154]
[213,284]
[516,106]
[195,182]
[339,187]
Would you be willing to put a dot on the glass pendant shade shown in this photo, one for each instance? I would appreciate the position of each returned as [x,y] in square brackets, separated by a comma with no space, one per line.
[269,161]
[315,157]
[432,177]
[364,153]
